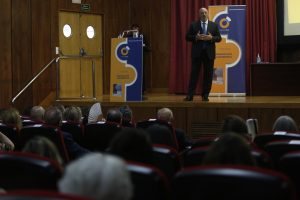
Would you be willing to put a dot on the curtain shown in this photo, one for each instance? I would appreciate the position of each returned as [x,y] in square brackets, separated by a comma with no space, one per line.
[260,36]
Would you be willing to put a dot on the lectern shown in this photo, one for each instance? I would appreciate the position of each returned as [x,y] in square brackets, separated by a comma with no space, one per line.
[126,75]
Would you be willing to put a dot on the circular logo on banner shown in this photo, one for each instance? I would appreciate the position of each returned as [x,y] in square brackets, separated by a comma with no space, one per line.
[225,22]
[125,51]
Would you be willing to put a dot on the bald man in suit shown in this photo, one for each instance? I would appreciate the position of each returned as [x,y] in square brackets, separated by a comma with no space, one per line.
[203,34]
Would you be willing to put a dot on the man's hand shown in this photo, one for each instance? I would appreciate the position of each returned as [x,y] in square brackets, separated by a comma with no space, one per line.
[203,37]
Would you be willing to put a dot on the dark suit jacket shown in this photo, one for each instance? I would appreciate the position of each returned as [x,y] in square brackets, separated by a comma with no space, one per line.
[213,29]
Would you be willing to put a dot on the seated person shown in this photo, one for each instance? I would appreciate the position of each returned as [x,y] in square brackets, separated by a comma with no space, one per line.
[230,148]
[133,145]
[44,147]
[95,113]
[97,176]
[285,123]
[127,119]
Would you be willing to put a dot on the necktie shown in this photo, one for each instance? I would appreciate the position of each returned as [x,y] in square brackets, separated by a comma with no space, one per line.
[204,27]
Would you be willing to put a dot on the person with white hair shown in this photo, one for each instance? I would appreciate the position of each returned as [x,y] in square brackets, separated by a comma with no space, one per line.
[166,114]
[97,176]
[95,113]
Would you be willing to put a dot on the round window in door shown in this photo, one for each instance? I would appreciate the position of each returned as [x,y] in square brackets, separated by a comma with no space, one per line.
[90,32]
[67,30]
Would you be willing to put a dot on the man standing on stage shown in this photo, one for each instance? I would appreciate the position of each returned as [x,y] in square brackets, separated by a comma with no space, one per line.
[203,34]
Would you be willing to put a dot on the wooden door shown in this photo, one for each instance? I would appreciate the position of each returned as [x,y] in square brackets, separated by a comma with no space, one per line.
[80,66]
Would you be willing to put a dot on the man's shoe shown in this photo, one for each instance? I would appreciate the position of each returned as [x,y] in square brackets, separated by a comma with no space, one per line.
[188,98]
[205,98]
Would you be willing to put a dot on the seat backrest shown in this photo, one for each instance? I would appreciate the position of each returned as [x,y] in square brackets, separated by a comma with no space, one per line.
[262,139]
[231,182]
[290,165]
[194,156]
[149,182]
[28,121]
[76,129]
[276,149]
[51,132]
[38,195]
[97,136]
[166,159]
[170,140]
[28,171]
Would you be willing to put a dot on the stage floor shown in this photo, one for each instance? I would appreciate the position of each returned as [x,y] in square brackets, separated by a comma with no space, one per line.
[200,119]
[177,100]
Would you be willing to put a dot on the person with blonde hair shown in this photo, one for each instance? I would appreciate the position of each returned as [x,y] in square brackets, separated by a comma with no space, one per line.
[11,116]
[43,146]
[97,176]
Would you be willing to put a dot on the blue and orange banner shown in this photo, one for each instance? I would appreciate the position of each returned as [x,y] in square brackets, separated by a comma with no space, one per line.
[126,69]
[230,64]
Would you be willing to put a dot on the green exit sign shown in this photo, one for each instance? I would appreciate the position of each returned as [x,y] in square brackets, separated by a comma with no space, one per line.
[85,7]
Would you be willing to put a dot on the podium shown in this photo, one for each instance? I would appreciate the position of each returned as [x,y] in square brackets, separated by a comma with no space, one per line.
[126,75]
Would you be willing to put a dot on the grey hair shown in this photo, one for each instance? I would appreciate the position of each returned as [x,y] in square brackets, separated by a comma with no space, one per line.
[97,176]
[37,113]
[165,114]
[285,123]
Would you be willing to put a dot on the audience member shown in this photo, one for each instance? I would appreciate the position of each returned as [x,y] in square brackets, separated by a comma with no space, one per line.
[95,113]
[72,114]
[161,134]
[44,147]
[166,114]
[230,148]
[236,124]
[37,113]
[53,116]
[114,115]
[6,143]
[97,176]
[132,144]
[11,116]
[127,119]
[285,123]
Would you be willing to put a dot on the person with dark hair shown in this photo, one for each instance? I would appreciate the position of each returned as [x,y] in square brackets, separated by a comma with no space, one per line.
[161,134]
[72,114]
[236,124]
[114,115]
[127,119]
[133,145]
[285,123]
[53,116]
[203,34]
[230,148]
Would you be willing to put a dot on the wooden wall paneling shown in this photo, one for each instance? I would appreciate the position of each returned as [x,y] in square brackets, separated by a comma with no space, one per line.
[223,112]
[116,19]
[41,48]
[5,56]
[140,13]
[179,115]
[21,51]
[160,43]
[266,117]
[294,113]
